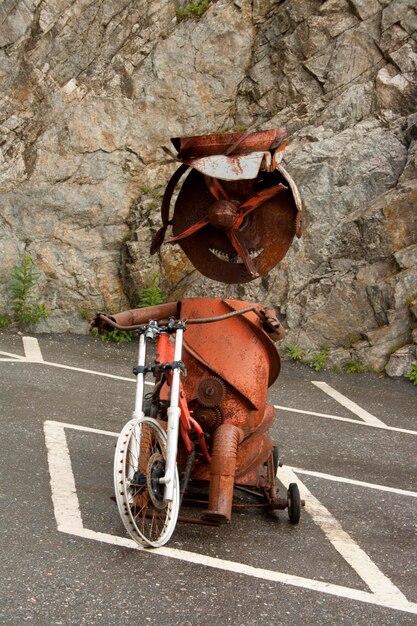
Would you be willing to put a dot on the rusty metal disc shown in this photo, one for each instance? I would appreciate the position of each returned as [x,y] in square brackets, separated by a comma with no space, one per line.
[255,246]
[227,143]
[211,391]
[209,417]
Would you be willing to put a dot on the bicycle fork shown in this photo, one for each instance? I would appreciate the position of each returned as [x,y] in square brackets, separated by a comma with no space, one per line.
[174,411]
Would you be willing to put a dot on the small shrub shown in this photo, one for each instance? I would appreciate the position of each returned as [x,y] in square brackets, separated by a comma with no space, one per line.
[23,281]
[193,10]
[318,360]
[354,367]
[294,352]
[85,313]
[4,321]
[412,374]
[151,294]
[116,336]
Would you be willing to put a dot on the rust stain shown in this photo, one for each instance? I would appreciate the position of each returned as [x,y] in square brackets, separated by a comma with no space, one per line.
[238,210]
[235,217]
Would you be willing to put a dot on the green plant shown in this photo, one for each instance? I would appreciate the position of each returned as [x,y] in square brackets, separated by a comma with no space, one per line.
[151,294]
[4,321]
[294,352]
[351,340]
[116,336]
[412,374]
[85,313]
[193,10]
[23,281]
[354,367]
[317,360]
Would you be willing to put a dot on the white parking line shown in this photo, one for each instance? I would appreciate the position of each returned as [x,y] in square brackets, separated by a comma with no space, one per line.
[68,517]
[85,371]
[352,481]
[255,572]
[377,424]
[64,493]
[349,404]
[14,357]
[343,542]
[32,350]
[348,420]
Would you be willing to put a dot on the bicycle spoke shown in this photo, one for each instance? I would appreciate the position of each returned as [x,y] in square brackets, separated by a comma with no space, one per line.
[141,453]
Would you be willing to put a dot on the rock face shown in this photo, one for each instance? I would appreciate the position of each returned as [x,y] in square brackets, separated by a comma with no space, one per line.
[91,90]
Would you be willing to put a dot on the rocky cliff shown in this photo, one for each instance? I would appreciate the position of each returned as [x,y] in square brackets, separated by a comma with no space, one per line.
[92,88]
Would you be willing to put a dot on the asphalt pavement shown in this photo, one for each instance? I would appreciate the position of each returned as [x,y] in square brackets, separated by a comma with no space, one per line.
[349,440]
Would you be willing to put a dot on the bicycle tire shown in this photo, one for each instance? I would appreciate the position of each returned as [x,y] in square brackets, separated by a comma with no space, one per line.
[139,461]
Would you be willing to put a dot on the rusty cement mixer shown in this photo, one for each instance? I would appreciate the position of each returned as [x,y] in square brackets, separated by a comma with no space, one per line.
[235,216]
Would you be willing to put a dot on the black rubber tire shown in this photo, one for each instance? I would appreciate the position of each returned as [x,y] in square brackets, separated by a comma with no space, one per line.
[294,503]
[275,456]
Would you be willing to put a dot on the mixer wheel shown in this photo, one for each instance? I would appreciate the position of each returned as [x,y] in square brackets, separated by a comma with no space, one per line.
[275,456]
[294,503]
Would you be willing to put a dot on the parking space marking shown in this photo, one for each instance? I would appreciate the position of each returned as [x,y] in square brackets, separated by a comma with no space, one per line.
[85,371]
[348,420]
[32,350]
[358,483]
[64,492]
[12,357]
[359,561]
[68,516]
[377,424]
[348,404]
[39,359]
[247,570]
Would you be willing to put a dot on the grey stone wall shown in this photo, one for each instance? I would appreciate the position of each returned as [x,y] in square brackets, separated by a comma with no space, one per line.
[92,89]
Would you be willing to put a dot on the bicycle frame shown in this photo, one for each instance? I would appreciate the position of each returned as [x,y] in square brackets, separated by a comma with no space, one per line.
[169,361]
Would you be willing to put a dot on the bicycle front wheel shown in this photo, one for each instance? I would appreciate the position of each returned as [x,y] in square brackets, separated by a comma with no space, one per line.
[139,463]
